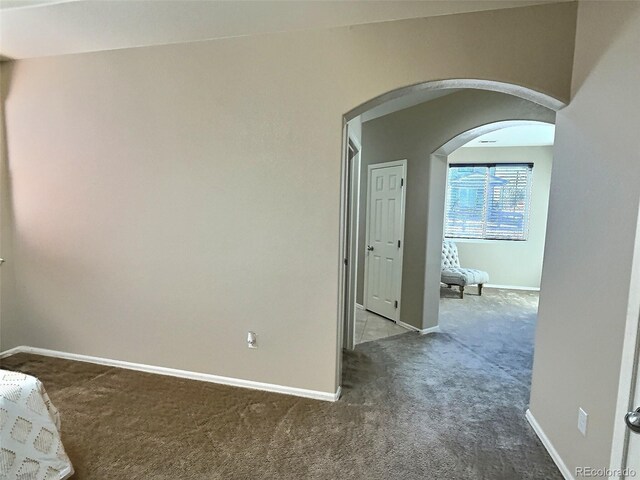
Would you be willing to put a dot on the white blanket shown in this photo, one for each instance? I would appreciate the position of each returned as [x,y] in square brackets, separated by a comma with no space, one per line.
[30,445]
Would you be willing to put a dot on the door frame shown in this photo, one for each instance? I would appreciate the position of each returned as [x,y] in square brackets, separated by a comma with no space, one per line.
[629,367]
[370,168]
[350,261]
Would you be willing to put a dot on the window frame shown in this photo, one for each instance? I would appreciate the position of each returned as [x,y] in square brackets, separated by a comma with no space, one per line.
[488,166]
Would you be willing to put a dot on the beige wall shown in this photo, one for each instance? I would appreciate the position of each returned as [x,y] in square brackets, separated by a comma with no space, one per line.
[595,189]
[414,134]
[517,264]
[5,236]
[165,200]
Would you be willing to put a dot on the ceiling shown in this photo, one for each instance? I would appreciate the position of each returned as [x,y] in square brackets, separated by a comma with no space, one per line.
[528,135]
[6,4]
[37,28]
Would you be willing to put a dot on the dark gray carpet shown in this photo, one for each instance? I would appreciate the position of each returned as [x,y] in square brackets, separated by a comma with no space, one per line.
[499,326]
[413,407]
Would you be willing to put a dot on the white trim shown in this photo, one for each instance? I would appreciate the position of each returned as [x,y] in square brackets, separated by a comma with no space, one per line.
[629,381]
[491,85]
[172,372]
[555,456]
[489,241]
[359,307]
[354,140]
[424,331]
[352,212]
[427,331]
[342,285]
[398,280]
[11,351]
[511,287]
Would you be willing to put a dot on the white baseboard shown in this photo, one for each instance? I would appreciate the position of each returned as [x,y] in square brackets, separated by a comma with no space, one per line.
[427,331]
[336,396]
[512,287]
[424,331]
[11,351]
[564,470]
[172,372]
[359,307]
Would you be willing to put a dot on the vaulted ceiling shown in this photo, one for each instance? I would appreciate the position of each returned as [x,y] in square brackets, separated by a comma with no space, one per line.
[37,28]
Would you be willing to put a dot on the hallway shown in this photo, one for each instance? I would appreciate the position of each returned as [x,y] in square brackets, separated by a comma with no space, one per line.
[370,326]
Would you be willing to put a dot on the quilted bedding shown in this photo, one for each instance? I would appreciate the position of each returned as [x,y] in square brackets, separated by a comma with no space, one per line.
[30,444]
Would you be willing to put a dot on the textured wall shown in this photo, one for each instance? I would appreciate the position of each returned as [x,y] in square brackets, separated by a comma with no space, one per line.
[165,200]
[593,209]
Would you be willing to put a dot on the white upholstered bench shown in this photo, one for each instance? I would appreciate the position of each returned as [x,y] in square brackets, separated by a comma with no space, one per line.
[453,274]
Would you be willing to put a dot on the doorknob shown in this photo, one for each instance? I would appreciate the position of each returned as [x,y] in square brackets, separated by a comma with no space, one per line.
[633,420]
[370,248]
[1,261]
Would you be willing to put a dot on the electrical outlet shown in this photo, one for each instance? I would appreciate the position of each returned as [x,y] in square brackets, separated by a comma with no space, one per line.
[583,418]
[252,340]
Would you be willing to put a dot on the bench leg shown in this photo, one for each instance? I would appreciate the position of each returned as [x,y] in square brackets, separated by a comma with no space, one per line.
[461,291]
[480,289]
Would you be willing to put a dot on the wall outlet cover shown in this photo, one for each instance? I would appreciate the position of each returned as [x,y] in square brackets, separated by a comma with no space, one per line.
[583,419]
[252,340]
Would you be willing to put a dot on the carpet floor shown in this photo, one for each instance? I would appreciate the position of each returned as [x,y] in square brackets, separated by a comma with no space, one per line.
[448,405]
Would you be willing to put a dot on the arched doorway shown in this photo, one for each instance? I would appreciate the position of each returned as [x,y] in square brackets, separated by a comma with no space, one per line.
[525,102]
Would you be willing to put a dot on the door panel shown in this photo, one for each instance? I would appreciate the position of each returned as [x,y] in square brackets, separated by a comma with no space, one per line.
[385,229]
[633,453]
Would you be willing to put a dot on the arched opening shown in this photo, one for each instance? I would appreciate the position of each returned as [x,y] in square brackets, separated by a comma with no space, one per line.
[436,128]
[493,223]
[464,138]
[435,86]
[441,158]
[524,109]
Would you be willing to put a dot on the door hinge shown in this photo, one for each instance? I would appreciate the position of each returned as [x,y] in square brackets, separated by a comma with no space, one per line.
[399,244]
[346,261]
[396,304]
[402,182]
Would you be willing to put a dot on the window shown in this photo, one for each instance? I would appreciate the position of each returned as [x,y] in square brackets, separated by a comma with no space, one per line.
[488,201]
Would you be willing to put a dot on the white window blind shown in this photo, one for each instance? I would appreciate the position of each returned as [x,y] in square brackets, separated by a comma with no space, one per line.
[488,201]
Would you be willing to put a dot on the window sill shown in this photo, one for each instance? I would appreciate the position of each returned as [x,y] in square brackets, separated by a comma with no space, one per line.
[482,240]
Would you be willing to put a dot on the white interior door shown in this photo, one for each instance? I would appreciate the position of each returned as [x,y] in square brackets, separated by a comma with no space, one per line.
[625,454]
[385,238]
[633,452]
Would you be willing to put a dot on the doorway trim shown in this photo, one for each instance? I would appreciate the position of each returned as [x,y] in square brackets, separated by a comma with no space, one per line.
[431,305]
[490,85]
[370,168]
[629,370]
[461,83]
[352,218]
